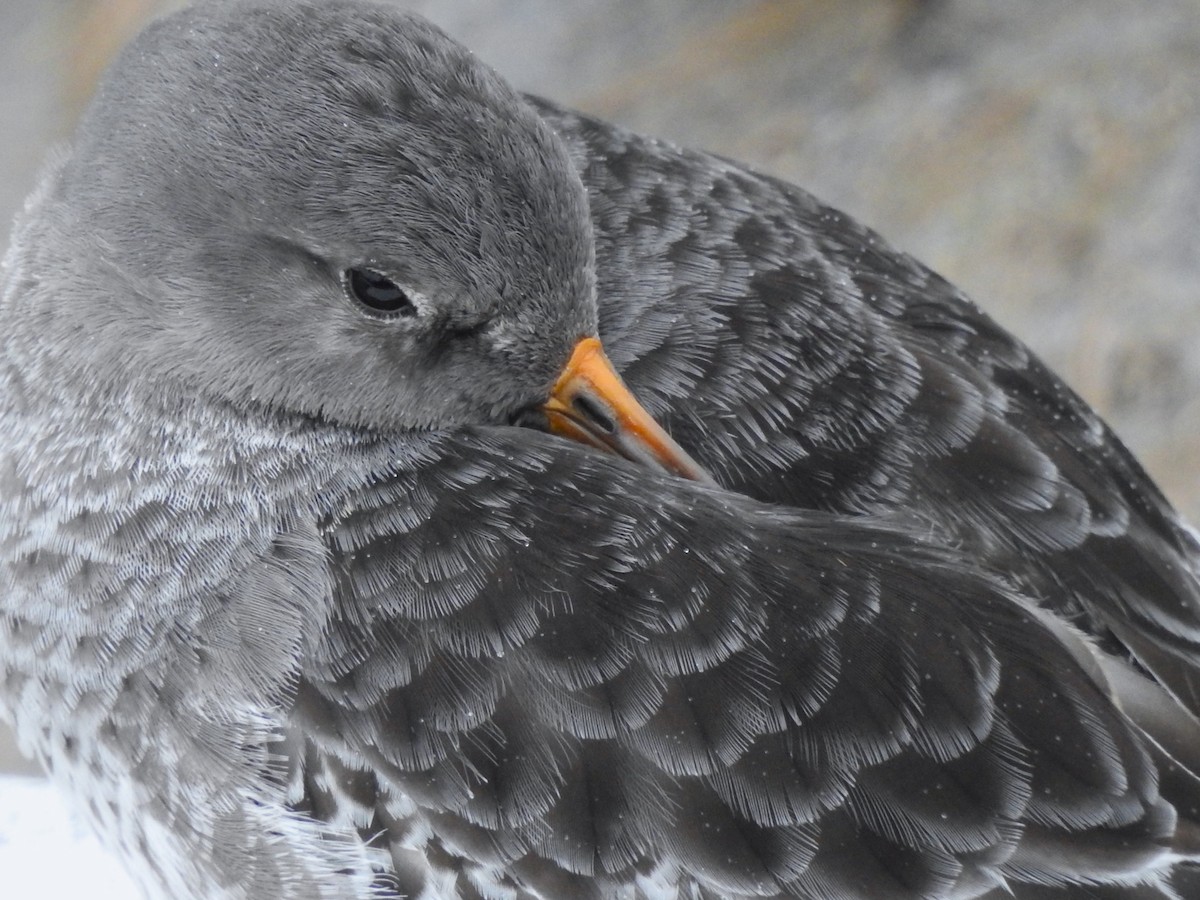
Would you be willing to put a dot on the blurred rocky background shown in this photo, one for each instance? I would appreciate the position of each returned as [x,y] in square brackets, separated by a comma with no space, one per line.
[1042,154]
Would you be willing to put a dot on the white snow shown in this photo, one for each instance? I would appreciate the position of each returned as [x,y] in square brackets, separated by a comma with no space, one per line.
[46,855]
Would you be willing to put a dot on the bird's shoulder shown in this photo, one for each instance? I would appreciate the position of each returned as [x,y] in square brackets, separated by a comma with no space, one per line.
[806,361]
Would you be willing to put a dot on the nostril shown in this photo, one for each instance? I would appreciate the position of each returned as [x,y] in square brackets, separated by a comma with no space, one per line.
[594,413]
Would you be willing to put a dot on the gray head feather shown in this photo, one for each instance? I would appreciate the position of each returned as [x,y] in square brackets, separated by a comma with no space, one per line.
[238,159]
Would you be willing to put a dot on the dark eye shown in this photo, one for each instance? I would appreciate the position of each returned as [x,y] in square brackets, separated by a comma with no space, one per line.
[379,293]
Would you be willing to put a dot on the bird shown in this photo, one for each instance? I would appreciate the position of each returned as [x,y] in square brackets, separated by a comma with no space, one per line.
[413,488]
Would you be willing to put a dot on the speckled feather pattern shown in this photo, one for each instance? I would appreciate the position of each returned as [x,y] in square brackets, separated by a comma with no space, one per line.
[933,636]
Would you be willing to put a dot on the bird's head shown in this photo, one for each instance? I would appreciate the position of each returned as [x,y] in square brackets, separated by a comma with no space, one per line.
[335,210]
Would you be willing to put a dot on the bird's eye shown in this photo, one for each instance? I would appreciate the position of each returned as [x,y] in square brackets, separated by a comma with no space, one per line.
[378,293]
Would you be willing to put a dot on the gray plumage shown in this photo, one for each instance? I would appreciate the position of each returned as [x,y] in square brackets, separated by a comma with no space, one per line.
[293,608]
